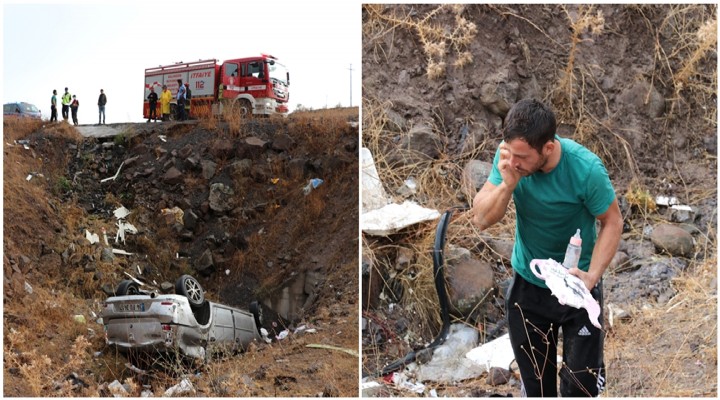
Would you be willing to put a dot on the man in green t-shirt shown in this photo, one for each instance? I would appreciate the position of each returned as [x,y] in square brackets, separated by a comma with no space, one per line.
[558,186]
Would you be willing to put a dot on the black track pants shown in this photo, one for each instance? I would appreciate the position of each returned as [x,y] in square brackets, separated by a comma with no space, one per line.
[534,317]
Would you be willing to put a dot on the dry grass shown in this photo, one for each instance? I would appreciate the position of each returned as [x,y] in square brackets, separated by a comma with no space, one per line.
[435,40]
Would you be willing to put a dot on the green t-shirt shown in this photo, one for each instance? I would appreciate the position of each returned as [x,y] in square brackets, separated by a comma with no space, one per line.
[551,207]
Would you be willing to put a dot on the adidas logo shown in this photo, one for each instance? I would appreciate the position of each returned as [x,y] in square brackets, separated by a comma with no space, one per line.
[584,331]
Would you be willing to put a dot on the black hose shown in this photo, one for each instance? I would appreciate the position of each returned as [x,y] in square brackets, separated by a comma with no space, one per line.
[439,274]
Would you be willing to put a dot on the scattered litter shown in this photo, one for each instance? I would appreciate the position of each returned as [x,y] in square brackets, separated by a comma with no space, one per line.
[28,288]
[264,334]
[666,201]
[448,363]
[147,393]
[122,252]
[313,184]
[123,228]
[117,389]
[282,335]
[373,193]
[29,177]
[394,217]
[182,388]
[121,213]
[91,237]
[79,318]
[162,137]
[616,313]
[104,232]
[433,393]
[227,272]
[569,289]
[402,382]
[328,347]
[275,180]
[369,385]
[496,353]
[411,184]
[112,178]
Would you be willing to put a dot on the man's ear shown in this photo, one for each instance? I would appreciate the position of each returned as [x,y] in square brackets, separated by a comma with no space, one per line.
[549,147]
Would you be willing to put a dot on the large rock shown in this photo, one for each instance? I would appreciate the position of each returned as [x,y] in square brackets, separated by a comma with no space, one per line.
[221,198]
[499,92]
[644,98]
[673,239]
[205,264]
[470,281]
[420,144]
[173,176]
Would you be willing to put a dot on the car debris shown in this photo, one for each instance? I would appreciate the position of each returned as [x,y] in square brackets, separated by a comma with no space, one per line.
[91,237]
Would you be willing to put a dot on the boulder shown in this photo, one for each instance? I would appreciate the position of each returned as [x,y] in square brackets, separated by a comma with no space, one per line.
[470,281]
[673,240]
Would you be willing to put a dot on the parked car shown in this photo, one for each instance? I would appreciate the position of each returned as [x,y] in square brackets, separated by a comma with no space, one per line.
[21,109]
[137,320]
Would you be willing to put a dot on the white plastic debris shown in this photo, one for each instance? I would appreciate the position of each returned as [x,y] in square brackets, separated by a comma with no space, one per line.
[121,252]
[313,184]
[112,178]
[402,382]
[282,335]
[666,201]
[117,389]
[123,228]
[28,288]
[91,237]
[569,289]
[227,272]
[121,213]
[162,137]
[394,217]
[264,334]
[373,193]
[496,353]
[183,388]
[448,363]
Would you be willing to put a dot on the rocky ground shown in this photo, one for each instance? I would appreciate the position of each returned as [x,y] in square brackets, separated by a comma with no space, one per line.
[635,84]
[222,201]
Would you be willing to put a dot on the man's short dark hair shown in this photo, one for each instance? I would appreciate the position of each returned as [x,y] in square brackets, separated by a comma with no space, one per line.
[531,121]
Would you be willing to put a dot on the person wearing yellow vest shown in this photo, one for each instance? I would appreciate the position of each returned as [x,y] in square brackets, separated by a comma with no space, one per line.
[66,100]
[165,98]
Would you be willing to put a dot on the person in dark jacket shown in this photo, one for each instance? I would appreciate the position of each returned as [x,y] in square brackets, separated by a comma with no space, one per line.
[152,99]
[53,107]
[102,100]
[74,104]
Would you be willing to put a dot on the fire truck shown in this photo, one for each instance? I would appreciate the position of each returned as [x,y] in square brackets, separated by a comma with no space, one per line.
[252,85]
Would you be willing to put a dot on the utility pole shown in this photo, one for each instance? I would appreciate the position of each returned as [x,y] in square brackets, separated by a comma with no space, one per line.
[351,70]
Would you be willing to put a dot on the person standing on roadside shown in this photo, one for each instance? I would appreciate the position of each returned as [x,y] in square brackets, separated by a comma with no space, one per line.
[188,96]
[53,106]
[102,100]
[74,109]
[66,100]
[180,98]
[557,186]
[152,100]
[165,99]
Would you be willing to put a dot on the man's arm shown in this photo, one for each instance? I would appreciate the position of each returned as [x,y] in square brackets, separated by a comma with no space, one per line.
[490,204]
[611,226]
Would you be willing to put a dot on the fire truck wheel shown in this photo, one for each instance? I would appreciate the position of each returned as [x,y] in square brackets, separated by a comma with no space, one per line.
[245,108]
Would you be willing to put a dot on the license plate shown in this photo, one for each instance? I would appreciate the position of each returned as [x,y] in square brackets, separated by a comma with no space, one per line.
[137,307]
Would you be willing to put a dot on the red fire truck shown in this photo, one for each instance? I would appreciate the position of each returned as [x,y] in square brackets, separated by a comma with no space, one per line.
[254,85]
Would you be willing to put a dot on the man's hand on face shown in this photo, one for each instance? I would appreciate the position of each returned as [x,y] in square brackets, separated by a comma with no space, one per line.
[510,175]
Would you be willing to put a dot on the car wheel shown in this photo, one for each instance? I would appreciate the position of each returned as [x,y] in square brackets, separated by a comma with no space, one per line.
[189,287]
[127,288]
[257,312]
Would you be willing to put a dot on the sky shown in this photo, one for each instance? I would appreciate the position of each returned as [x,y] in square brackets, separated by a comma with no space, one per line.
[92,45]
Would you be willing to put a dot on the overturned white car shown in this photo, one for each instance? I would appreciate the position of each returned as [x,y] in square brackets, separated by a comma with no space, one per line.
[143,321]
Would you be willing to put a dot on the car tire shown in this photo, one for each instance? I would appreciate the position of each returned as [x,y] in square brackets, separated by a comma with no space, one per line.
[246,109]
[189,287]
[257,312]
[127,288]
